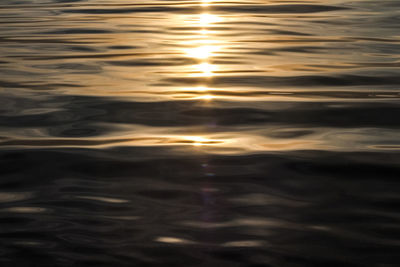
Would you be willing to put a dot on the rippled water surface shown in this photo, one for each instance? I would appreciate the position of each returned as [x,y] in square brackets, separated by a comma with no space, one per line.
[249,133]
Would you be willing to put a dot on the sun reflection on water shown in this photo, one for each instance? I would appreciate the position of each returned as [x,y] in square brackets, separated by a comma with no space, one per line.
[202,52]
[206,97]
[204,47]
[206,19]
[205,3]
[205,69]
[202,141]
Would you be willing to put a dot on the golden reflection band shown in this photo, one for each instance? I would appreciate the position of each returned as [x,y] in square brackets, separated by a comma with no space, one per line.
[202,49]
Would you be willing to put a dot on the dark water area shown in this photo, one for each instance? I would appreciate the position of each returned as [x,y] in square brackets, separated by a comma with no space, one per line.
[247,133]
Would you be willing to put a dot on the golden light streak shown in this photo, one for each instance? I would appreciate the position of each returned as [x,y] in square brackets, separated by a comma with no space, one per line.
[204,32]
[206,97]
[202,88]
[205,3]
[205,69]
[202,52]
[206,19]
[201,141]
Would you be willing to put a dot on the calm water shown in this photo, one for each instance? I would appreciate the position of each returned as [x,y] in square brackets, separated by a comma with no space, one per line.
[200,133]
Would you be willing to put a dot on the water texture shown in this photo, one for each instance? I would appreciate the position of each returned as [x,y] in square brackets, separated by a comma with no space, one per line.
[248,133]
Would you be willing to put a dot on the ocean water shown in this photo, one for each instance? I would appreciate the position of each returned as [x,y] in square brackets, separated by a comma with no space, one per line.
[175,133]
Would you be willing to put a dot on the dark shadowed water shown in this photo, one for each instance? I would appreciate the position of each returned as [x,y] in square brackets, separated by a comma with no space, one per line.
[254,133]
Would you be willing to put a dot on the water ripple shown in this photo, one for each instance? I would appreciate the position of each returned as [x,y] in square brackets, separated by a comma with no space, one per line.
[199,133]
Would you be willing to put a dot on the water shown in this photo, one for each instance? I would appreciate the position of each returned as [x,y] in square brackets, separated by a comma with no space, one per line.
[199,133]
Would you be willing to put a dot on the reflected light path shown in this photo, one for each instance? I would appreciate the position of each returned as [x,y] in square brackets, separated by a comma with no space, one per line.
[205,3]
[204,47]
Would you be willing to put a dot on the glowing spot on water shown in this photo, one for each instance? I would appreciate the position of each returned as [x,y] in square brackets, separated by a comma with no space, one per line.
[206,19]
[205,2]
[201,52]
[204,32]
[206,69]
[197,140]
[172,240]
[206,97]
[201,88]
[201,141]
